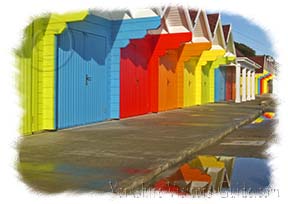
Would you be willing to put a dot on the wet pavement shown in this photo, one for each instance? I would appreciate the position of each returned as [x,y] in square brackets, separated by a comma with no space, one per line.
[126,153]
[244,174]
[244,148]
[251,140]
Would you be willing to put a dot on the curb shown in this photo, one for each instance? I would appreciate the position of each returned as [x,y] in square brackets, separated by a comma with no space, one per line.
[133,183]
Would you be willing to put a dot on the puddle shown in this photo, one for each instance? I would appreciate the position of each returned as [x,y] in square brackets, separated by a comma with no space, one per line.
[264,117]
[206,174]
[251,174]
[58,177]
[262,120]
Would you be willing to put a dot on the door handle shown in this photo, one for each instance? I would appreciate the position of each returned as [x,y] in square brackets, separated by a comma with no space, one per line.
[87,78]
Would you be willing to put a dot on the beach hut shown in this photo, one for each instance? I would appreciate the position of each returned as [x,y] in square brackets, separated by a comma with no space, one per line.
[148,76]
[74,66]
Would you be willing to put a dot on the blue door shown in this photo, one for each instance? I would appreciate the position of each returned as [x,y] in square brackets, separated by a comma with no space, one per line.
[82,86]
[220,84]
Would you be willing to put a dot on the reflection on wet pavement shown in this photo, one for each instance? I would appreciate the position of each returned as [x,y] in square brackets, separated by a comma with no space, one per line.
[201,175]
[207,173]
[52,178]
[264,117]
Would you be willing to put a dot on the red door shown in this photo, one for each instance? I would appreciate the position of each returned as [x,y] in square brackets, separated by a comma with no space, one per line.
[233,83]
[134,79]
[230,83]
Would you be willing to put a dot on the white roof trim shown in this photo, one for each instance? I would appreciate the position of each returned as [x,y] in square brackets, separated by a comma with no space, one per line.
[123,14]
[142,13]
[219,26]
[188,19]
[247,61]
[229,54]
[230,37]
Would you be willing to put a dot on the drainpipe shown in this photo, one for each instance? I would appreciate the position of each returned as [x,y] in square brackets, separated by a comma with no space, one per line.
[248,85]
[237,83]
[244,84]
[253,85]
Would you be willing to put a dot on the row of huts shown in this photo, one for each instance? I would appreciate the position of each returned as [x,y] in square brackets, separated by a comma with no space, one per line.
[90,66]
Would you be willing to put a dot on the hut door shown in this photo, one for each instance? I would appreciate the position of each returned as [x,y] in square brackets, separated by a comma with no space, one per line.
[82,86]
[205,83]
[168,81]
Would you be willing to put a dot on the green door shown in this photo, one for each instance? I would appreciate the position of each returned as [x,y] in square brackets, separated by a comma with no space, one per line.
[205,83]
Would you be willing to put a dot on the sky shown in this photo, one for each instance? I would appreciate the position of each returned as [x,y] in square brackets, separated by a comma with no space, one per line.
[245,31]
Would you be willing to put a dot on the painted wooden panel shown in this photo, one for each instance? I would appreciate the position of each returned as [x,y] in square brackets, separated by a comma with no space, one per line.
[220,82]
[36,63]
[39,101]
[205,83]
[168,81]
[134,79]
[161,43]
[189,55]
[270,86]
[123,31]
[189,79]
[234,84]
[230,83]
[145,56]
[82,79]
[207,56]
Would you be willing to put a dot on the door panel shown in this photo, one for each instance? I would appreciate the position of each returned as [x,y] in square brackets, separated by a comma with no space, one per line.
[230,84]
[223,83]
[168,81]
[134,79]
[81,79]
[189,82]
[217,73]
[205,83]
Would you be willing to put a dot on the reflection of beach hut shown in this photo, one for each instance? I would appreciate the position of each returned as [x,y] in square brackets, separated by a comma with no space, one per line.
[191,179]
[164,185]
[216,169]
[229,165]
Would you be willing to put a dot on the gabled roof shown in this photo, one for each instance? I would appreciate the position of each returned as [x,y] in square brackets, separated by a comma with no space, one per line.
[239,53]
[248,62]
[193,14]
[228,37]
[216,31]
[213,21]
[226,31]
[173,20]
[201,28]
[259,59]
